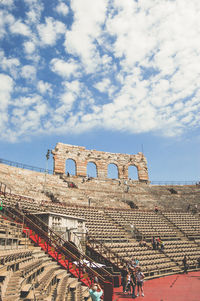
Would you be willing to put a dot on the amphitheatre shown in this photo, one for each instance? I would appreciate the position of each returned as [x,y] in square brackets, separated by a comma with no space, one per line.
[61,231]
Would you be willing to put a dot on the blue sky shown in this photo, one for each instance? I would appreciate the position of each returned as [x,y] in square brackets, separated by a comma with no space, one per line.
[116,76]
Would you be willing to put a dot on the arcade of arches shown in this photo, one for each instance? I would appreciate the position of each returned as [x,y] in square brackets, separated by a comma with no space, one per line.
[82,157]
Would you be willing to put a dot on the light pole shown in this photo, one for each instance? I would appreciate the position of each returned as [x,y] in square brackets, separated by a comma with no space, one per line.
[46,169]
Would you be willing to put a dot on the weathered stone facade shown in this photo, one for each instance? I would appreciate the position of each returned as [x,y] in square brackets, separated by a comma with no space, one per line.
[82,157]
[107,193]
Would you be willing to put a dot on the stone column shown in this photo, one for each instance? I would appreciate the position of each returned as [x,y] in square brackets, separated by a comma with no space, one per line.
[59,164]
[123,172]
[81,167]
[102,169]
[142,174]
[142,168]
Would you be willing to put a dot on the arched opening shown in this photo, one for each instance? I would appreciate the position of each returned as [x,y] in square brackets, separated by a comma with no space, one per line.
[113,171]
[70,167]
[132,172]
[91,170]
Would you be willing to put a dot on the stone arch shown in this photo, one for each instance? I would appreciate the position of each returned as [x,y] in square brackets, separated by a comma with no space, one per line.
[112,170]
[132,172]
[70,166]
[92,170]
[82,156]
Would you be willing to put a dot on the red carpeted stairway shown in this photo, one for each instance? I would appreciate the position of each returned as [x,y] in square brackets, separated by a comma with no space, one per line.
[60,258]
[57,248]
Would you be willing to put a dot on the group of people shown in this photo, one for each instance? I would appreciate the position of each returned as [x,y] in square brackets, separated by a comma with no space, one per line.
[132,277]
[157,243]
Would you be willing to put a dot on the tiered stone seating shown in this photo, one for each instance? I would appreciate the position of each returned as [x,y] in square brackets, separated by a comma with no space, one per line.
[26,273]
[26,203]
[146,224]
[97,223]
[177,249]
[120,230]
[188,223]
[10,237]
[106,193]
[151,261]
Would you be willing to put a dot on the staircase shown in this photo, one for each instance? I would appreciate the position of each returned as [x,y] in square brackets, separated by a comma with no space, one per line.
[53,244]
[13,288]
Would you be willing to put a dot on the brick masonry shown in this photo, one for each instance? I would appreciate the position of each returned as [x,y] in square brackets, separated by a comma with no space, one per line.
[82,157]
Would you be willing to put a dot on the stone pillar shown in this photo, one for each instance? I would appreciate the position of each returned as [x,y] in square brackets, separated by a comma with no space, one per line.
[81,167]
[142,174]
[142,169]
[123,172]
[102,169]
[59,164]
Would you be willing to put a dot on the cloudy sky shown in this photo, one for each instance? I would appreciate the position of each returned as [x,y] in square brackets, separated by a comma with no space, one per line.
[113,75]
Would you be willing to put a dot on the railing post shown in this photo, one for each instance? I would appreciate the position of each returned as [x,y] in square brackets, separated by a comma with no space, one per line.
[79,271]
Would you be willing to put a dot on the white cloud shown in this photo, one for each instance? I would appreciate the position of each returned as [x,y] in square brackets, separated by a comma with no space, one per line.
[143,54]
[63,68]
[62,8]
[29,47]
[6,89]
[50,31]
[72,91]
[6,2]
[28,72]
[73,86]
[6,19]
[66,102]
[80,40]
[9,64]
[103,85]
[26,116]
[20,28]
[33,15]
[23,103]
[44,87]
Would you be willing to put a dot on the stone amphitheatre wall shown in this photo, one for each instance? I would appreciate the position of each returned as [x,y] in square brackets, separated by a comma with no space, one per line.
[100,191]
[97,192]
[82,157]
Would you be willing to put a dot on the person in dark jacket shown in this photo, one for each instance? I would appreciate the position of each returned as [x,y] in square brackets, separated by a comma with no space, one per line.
[133,282]
[185,265]
[124,274]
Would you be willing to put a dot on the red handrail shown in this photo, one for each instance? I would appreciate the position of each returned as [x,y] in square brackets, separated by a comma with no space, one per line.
[52,243]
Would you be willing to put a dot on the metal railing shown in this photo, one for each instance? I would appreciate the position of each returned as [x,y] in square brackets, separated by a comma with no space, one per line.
[65,251]
[173,183]
[25,166]
[105,252]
